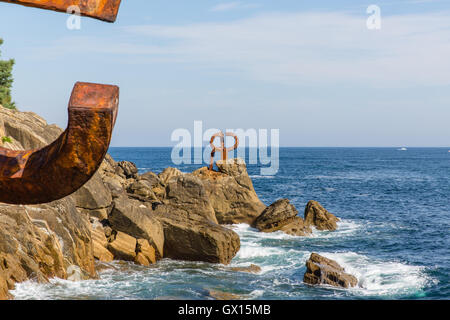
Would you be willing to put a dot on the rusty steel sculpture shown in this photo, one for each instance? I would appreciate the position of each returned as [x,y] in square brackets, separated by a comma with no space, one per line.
[222,147]
[61,168]
[105,10]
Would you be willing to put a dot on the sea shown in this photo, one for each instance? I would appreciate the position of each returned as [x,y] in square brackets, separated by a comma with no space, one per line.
[393,235]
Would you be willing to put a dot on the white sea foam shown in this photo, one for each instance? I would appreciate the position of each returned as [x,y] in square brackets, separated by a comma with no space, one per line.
[282,260]
[345,228]
[247,232]
[255,294]
[381,278]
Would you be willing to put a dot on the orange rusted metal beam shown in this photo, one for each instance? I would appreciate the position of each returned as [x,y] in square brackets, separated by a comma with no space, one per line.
[61,168]
[105,10]
[222,148]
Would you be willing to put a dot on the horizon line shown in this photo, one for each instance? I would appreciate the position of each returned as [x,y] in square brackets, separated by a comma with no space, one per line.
[337,147]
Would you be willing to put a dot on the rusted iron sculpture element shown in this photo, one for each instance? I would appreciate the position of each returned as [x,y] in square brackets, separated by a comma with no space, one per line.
[222,148]
[105,10]
[61,168]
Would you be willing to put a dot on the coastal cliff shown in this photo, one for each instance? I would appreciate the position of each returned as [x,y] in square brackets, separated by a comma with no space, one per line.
[142,218]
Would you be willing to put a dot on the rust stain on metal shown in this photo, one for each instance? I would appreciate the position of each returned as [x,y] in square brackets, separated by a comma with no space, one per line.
[105,10]
[222,147]
[61,168]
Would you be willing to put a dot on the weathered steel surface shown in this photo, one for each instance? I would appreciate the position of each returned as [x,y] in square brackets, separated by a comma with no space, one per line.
[105,10]
[222,147]
[61,168]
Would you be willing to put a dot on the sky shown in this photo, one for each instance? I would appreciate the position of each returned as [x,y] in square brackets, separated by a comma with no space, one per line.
[311,69]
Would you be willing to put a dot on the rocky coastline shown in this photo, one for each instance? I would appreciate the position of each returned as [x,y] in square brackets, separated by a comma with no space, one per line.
[142,218]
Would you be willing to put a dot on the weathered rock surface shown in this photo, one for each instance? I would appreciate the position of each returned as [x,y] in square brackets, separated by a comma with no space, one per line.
[27,129]
[222,295]
[188,193]
[168,174]
[41,242]
[297,228]
[194,238]
[282,216]
[100,243]
[127,169]
[94,195]
[319,217]
[134,218]
[320,270]
[145,253]
[253,268]
[231,192]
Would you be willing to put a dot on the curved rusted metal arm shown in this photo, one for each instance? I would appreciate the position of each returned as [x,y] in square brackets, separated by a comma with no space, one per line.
[105,10]
[61,168]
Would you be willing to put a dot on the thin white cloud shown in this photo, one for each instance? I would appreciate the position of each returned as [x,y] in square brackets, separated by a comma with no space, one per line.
[314,48]
[228,6]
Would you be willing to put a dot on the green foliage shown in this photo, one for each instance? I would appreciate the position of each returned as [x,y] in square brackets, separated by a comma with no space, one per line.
[6,139]
[6,81]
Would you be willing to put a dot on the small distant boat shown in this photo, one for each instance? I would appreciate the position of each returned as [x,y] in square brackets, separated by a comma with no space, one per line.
[404,149]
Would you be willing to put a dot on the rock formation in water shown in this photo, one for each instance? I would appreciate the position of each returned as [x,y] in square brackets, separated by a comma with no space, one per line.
[282,216]
[319,217]
[117,215]
[231,193]
[122,215]
[320,270]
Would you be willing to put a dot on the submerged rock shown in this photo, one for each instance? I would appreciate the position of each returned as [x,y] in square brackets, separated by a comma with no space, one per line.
[253,268]
[319,217]
[320,270]
[222,295]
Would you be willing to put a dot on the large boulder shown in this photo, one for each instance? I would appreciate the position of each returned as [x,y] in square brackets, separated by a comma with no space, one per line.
[188,193]
[195,238]
[231,193]
[319,217]
[281,216]
[94,195]
[320,270]
[135,219]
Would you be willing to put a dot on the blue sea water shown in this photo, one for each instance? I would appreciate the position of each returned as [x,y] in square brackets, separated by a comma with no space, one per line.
[394,233]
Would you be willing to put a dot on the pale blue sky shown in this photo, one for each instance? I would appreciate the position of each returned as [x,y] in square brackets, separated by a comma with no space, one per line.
[309,68]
